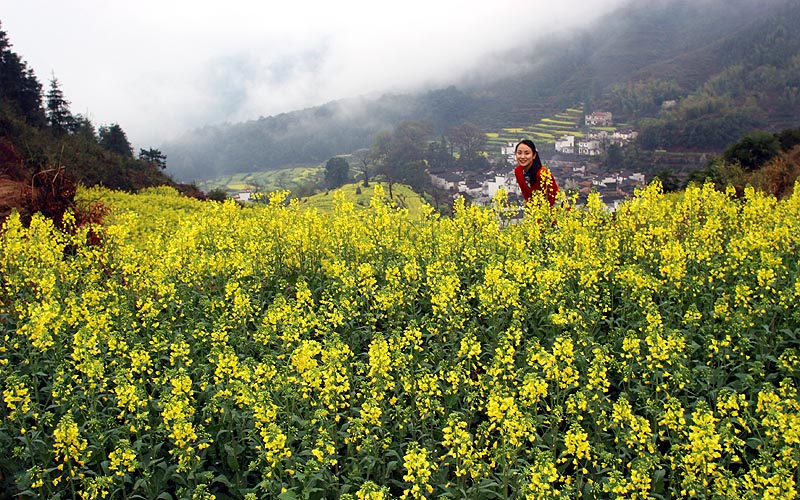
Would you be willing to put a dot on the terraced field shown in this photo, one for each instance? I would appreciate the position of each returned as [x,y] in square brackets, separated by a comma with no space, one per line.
[545,131]
[285,178]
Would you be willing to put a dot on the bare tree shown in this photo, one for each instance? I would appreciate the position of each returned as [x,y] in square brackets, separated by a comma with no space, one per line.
[364,159]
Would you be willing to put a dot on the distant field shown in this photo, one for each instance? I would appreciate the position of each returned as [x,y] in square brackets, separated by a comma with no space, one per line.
[546,131]
[286,178]
[360,196]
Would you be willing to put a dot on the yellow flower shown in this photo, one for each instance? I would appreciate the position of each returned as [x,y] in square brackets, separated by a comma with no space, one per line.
[576,442]
[418,472]
[17,397]
[68,444]
[122,459]
[371,491]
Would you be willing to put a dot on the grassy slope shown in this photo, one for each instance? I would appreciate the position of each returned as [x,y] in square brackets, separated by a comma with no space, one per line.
[403,196]
[270,180]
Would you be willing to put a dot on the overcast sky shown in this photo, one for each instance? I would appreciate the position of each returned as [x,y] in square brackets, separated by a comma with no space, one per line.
[162,67]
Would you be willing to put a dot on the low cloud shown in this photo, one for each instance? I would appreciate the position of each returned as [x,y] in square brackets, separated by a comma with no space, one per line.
[161,68]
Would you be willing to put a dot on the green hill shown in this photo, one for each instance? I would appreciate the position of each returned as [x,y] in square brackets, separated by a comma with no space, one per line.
[46,151]
[291,178]
[403,197]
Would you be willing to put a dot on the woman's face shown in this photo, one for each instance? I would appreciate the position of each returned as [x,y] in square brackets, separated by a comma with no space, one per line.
[525,156]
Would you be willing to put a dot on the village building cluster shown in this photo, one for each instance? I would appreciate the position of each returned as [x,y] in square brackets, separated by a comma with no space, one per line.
[572,161]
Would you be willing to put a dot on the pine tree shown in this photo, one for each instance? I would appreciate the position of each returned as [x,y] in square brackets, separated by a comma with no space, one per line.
[18,84]
[113,138]
[154,156]
[59,116]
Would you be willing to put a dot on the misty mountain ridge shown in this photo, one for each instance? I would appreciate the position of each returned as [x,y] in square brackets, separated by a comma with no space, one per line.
[679,43]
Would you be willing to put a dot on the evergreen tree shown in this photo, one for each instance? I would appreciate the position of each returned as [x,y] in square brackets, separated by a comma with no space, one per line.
[113,139]
[18,84]
[59,116]
[153,156]
[84,127]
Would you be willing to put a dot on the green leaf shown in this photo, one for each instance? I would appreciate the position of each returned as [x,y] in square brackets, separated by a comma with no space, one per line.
[231,457]
[287,495]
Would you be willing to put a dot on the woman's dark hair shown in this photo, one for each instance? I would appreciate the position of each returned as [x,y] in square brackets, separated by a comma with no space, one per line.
[537,162]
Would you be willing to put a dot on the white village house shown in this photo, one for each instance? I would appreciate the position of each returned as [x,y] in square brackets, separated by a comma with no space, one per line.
[589,147]
[450,181]
[599,119]
[505,181]
[245,195]
[566,144]
[508,151]
[622,137]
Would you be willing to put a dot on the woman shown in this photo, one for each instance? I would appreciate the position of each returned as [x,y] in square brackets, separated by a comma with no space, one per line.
[531,175]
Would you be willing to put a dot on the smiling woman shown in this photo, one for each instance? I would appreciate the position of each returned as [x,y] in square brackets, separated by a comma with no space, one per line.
[532,176]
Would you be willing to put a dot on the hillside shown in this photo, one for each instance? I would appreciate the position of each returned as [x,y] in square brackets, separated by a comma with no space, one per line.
[360,197]
[673,46]
[46,151]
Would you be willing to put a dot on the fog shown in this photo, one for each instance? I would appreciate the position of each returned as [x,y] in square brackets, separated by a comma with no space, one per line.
[159,69]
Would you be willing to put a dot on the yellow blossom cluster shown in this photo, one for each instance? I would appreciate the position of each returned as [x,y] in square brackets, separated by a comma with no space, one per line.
[207,349]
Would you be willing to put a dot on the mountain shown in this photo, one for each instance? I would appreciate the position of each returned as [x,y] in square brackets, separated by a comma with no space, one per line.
[731,66]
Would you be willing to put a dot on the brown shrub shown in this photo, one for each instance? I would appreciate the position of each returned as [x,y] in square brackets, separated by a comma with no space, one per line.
[778,176]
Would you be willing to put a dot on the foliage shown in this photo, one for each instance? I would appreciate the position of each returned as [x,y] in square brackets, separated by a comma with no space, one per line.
[446,108]
[18,84]
[756,87]
[778,176]
[439,155]
[470,141]
[154,157]
[217,194]
[399,155]
[753,150]
[768,162]
[114,139]
[206,350]
[337,172]
[789,138]
[59,117]
[700,122]
[639,99]
[668,180]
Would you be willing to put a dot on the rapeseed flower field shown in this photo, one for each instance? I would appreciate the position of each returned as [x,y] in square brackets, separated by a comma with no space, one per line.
[206,350]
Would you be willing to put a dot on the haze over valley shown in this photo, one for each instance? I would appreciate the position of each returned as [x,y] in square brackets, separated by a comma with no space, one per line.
[210,93]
